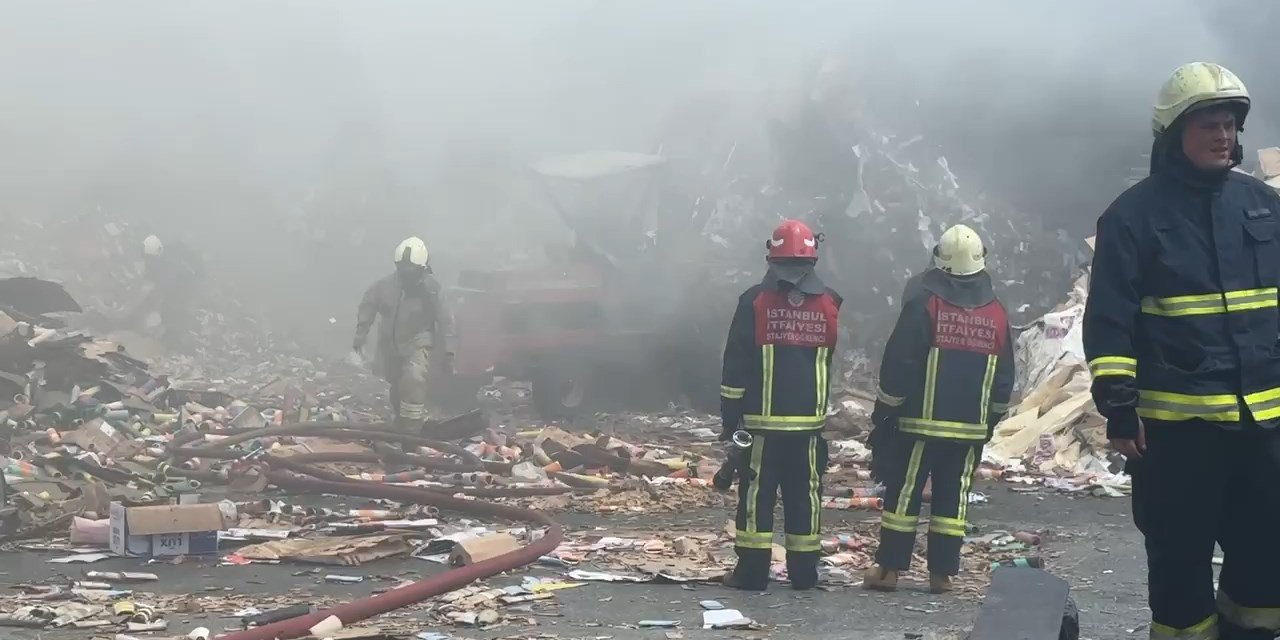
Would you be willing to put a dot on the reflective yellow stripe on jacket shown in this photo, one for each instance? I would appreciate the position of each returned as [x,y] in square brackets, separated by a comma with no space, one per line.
[1210,303]
[1162,405]
[784,423]
[943,429]
[1113,366]
[1264,405]
[926,425]
[765,420]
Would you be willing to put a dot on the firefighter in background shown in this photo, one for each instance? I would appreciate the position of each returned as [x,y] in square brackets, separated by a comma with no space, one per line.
[172,274]
[945,382]
[413,326]
[775,386]
[1180,330]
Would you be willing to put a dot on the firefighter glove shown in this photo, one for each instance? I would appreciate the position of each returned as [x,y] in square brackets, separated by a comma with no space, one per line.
[732,467]
[880,441]
[730,418]
[1122,425]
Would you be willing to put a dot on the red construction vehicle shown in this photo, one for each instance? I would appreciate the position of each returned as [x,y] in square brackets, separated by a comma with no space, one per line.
[593,325]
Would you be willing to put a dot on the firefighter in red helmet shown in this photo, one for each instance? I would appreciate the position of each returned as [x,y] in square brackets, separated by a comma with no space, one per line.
[774,391]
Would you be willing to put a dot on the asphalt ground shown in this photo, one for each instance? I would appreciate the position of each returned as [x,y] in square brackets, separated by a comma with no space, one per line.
[1090,542]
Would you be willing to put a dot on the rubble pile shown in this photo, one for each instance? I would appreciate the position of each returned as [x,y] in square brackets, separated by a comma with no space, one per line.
[107,459]
[885,199]
[100,264]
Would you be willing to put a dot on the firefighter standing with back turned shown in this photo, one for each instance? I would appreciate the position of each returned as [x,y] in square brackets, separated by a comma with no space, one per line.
[1181,332]
[414,325]
[775,386]
[945,382]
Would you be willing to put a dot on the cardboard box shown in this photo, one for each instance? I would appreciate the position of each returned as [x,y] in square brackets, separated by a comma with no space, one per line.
[481,548]
[166,530]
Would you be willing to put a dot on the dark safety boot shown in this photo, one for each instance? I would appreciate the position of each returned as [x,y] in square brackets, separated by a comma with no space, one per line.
[878,578]
[802,568]
[1229,631]
[752,571]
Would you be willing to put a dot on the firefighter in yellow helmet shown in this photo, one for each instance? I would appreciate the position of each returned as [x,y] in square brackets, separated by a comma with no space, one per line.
[414,328]
[945,382]
[172,273]
[1183,339]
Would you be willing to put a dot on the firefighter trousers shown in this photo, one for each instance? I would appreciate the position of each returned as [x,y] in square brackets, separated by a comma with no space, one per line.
[1195,485]
[792,464]
[408,376]
[912,461]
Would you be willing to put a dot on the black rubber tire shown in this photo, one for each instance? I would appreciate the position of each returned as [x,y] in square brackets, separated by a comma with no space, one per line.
[1070,621]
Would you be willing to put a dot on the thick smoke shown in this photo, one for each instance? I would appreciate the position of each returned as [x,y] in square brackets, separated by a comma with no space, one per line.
[295,142]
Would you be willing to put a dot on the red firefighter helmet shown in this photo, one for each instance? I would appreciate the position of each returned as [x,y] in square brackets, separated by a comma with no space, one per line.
[793,239]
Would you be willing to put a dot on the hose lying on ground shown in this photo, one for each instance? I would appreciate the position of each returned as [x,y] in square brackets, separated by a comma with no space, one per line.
[292,475]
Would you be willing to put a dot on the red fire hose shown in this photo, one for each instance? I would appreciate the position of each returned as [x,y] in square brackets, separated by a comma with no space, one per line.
[331,483]
[422,589]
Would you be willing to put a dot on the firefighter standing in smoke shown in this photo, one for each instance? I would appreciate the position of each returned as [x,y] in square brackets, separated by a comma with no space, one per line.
[1181,334]
[945,381]
[775,385]
[413,325]
[172,273]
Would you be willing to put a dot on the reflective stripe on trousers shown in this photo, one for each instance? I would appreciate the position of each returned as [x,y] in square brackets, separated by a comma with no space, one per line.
[1248,617]
[411,387]
[789,464]
[1206,629]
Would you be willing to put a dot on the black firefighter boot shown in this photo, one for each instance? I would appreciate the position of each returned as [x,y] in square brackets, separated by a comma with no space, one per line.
[802,568]
[752,570]
[1229,631]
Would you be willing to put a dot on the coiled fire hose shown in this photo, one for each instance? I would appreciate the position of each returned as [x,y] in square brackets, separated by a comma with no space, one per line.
[296,476]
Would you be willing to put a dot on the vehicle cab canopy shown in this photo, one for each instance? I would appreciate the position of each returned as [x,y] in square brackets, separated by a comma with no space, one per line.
[607,199]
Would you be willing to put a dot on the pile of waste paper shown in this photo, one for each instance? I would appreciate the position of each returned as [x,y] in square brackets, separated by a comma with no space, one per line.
[1054,430]
[1269,167]
[101,268]
[881,198]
